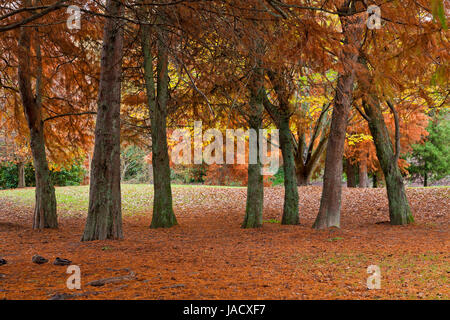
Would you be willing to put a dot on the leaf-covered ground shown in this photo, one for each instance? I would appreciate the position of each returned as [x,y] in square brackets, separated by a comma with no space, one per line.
[208,255]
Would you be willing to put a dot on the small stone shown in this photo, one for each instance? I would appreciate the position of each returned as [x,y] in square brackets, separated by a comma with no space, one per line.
[38,259]
[174,286]
[61,262]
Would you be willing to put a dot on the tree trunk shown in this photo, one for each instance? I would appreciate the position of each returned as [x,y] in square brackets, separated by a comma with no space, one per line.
[363,175]
[21,174]
[163,214]
[45,207]
[350,171]
[375,180]
[302,179]
[255,185]
[290,208]
[104,219]
[425,180]
[399,210]
[330,203]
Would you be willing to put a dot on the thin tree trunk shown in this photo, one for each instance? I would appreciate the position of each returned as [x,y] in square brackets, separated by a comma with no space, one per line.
[104,219]
[21,174]
[375,180]
[163,214]
[425,180]
[330,204]
[290,208]
[350,170]
[45,207]
[123,171]
[363,175]
[305,171]
[399,210]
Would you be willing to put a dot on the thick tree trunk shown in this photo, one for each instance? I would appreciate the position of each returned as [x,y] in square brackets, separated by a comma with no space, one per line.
[351,171]
[163,214]
[363,175]
[104,219]
[290,209]
[45,207]
[21,174]
[399,210]
[330,204]
[255,185]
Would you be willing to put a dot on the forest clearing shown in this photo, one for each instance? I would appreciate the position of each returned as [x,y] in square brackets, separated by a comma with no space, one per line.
[208,255]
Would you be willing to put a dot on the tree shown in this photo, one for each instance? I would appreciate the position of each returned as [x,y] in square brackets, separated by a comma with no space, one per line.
[351,171]
[330,204]
[431,160]
[255,187]
[399,210]
[104,219]
[308,154]
[45,207]
[157,97]
[281,115]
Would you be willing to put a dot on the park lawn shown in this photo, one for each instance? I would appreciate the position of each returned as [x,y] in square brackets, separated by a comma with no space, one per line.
[136,198]
[208,255]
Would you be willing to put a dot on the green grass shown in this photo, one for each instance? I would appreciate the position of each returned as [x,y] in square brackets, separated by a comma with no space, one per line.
[272,221]
[136,198]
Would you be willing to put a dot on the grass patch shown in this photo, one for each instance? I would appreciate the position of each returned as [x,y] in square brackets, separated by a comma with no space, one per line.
[136,198]
[272,221]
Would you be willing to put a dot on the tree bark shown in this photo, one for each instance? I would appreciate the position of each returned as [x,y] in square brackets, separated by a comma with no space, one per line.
[104,219]
[375,180]
[281,116]
[363,175]
[45,207]
[399,210]
[290,208]
[21,174]
[163,214]
[351,171]
[255,185]
[302,180]
[330,204]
